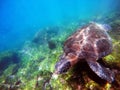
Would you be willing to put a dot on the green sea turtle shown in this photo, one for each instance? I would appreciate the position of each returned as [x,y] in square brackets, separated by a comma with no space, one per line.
[90,43]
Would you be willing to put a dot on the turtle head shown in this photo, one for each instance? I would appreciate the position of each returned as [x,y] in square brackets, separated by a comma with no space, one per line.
[62,66]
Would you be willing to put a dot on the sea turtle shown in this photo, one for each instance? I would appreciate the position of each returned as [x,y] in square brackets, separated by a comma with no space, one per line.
[90,43]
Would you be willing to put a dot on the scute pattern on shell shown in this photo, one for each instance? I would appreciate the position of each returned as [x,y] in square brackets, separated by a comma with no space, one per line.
[91,41]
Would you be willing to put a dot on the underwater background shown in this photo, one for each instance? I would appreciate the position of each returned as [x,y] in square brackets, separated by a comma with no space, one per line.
[32,35]
[20,19]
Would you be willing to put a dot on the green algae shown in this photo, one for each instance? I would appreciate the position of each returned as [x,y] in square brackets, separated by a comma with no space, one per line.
[38,62]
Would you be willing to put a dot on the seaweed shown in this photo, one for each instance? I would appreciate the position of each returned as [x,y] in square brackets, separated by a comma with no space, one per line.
[32,67]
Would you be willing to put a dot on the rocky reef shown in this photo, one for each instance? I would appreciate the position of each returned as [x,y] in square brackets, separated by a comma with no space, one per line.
[32,67]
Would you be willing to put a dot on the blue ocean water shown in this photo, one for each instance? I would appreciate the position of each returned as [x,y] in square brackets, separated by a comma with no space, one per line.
[21,19]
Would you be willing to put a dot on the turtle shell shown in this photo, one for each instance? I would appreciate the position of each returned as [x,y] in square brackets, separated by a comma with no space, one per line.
[89,43]
[92,41]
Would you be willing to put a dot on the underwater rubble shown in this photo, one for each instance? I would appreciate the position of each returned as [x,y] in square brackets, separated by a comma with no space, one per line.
[31,67]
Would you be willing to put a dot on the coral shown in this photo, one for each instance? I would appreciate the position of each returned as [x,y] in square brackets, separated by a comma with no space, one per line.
[44,35]
[51,44]
[32,67]
[8,58]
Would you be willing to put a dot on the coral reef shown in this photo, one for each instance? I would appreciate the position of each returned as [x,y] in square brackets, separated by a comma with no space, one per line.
[8,58]
[32,67]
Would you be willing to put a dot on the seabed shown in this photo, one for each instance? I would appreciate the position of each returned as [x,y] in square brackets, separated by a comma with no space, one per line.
[31,67]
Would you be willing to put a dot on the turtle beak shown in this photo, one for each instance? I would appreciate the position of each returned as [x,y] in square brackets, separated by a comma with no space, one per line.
[55,75]
[56,72]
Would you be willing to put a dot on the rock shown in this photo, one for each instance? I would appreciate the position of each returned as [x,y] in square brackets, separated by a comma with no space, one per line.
[45,35]
[8,58]
[51,44]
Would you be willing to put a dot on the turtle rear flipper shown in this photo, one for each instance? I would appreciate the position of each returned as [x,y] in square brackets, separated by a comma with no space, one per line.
[101,71]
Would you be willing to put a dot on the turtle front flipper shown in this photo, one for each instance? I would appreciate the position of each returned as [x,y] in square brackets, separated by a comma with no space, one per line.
[101,71]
